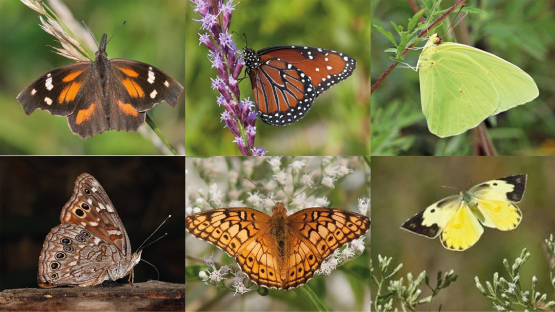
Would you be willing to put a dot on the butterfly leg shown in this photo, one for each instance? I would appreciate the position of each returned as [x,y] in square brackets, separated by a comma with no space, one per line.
[131,277]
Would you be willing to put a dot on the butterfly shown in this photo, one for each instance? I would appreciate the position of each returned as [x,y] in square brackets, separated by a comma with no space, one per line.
[461,86]
[90,245]
[278,251]
[459,219]
[286,79]
[101,95]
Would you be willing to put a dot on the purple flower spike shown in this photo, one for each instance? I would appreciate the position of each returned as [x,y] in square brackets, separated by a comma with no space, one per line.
[259,151]
[251,133]
[226,13]
[230,123]
[205,39]
[215,17]
[236,70]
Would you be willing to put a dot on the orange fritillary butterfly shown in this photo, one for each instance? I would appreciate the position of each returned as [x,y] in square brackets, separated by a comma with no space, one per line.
[278,251]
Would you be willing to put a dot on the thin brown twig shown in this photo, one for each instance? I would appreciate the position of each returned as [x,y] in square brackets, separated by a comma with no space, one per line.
[422,34]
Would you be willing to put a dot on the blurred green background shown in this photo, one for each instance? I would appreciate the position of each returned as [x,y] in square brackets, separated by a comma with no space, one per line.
[407,185]
[337,124]
[517,31]
[153,34]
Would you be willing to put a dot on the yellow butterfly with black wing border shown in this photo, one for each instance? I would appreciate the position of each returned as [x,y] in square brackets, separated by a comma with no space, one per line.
[459,220]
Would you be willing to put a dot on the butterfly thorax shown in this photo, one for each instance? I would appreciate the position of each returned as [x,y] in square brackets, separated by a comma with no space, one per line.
[101,59]
[472,203]
[252,60]
[429,49]
[280,231]
[123,267]
[280,228]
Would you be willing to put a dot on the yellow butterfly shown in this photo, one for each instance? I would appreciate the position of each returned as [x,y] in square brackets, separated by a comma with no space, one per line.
[456,219]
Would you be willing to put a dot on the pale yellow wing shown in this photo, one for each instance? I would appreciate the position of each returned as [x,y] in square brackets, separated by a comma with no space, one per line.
[496,201]
[463,229]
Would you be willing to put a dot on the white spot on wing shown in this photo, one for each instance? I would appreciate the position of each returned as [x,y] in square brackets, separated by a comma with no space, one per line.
[112,232]
[153,94]
[167,84]
[33,91]
[48,100]
[151,77]
[48,84]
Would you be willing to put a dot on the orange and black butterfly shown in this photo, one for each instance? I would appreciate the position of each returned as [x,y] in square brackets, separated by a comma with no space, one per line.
[286,79]
[102,94]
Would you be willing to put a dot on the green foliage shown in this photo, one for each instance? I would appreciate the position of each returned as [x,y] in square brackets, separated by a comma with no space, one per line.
[387,139]
[399,294]
[509,294]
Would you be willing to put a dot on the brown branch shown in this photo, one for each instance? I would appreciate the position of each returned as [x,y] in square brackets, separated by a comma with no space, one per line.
[149,296]
[422,34]
[482,145]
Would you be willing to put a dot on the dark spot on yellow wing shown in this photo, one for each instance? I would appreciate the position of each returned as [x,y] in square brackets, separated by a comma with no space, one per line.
[519,185]
[414,224]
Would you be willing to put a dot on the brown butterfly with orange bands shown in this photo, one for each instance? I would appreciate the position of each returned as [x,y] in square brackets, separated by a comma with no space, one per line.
[101,95]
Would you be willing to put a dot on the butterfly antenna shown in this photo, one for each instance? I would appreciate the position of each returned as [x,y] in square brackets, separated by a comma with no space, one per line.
[246,43]
[87,27]
[153,234]
[116,31]
[259,188]
[301,192]
[153,267]
[452,27]
[449,187]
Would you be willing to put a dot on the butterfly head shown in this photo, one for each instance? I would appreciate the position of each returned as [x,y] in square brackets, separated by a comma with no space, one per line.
[136,257]
[102,48]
